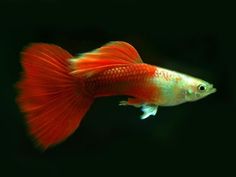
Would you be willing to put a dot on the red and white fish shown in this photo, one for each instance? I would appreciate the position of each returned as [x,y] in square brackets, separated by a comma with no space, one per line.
[57,89]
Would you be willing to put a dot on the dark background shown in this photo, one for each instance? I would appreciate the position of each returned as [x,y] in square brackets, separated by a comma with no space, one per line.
[193,139]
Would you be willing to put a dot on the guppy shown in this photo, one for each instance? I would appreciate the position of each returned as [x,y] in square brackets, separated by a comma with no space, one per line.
[57,89]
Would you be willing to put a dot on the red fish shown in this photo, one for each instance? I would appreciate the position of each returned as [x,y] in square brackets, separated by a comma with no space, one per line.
[57,89]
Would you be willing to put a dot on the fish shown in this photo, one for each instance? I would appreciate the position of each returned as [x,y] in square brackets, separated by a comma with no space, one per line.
[56,89]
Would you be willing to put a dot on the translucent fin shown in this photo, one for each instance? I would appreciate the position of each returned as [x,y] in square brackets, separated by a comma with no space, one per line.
[148,109]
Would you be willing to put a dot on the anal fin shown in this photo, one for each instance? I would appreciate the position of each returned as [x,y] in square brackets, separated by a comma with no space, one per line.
[147,109]
[132,102]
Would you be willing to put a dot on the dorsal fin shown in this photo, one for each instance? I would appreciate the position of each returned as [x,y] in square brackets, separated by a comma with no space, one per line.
[121,50]
[112,54]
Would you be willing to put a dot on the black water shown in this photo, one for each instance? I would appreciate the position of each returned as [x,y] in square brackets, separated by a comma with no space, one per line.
[193,139]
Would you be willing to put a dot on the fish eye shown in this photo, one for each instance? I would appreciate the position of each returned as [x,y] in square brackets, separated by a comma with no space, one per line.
[202,87]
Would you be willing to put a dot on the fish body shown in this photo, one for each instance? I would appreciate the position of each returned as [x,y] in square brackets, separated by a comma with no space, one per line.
[136,80]
[57,88]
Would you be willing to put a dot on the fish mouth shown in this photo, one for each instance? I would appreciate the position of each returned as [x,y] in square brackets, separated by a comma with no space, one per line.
[212,90]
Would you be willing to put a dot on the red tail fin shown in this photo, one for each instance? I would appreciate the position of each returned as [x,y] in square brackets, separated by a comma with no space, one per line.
[54,101]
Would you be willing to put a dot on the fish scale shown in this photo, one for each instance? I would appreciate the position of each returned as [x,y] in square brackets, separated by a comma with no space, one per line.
[126,80]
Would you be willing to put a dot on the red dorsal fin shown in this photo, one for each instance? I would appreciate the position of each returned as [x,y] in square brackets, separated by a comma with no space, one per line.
[122,50]
[54,102]
[112,54]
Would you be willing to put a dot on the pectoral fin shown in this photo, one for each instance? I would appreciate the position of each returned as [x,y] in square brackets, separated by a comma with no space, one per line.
[148,109]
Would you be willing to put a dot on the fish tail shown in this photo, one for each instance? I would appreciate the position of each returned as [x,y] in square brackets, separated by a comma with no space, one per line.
[53,100]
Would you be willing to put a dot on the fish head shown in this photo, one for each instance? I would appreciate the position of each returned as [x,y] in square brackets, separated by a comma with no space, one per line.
[196,89]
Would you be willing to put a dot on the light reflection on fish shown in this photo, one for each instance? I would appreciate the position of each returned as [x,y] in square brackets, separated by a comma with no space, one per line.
[57,89]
